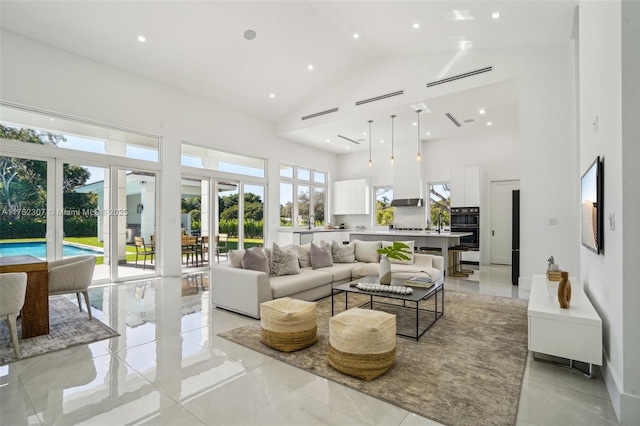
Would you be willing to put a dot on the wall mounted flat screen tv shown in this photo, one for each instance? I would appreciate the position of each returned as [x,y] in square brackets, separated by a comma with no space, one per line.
[592,208]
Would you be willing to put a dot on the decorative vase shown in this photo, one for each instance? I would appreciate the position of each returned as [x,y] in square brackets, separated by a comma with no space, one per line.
[385,270]
[564,290]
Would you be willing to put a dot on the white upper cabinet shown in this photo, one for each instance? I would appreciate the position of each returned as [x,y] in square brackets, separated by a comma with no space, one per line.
[465,186]
[351,196]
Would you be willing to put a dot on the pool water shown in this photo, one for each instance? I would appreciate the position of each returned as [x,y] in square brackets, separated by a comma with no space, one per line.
[39,249]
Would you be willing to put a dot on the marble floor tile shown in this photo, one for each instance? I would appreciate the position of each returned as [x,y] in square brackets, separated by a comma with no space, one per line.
[169,367]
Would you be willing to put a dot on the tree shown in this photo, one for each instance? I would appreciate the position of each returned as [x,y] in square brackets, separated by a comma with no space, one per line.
[441,203]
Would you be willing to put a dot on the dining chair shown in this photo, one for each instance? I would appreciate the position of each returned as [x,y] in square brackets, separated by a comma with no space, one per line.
[221,241]
[190,248]
[144,250]
[13,288]
[204,248]
[72,275]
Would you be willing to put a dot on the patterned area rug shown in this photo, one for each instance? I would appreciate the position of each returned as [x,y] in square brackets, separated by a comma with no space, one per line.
[67,327]
[466,370]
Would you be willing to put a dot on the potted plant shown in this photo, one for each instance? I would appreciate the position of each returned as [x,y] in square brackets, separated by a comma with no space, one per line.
[397,251]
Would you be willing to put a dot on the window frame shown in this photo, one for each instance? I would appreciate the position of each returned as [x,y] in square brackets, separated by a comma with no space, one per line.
[312,184]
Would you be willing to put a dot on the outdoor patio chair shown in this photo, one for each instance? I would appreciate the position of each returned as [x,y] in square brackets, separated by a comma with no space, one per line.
[144,250]
[221,246]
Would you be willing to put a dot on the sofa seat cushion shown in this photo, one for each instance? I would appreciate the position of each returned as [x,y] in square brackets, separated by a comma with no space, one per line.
[340,271]
[408,271]
[287,285]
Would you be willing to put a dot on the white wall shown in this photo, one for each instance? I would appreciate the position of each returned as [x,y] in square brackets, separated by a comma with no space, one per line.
[609,70]
[38,76]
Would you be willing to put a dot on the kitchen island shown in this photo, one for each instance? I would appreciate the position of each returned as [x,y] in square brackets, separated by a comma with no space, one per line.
[303,236]
[443,240]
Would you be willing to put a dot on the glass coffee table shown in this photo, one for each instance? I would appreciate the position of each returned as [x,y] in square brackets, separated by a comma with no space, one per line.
[410,302]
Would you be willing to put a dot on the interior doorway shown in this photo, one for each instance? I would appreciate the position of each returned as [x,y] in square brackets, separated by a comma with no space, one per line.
[501,220]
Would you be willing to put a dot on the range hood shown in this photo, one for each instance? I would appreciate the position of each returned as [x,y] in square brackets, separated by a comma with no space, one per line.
[407,202]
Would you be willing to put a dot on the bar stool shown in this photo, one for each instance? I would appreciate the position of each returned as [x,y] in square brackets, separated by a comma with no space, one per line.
[455,268]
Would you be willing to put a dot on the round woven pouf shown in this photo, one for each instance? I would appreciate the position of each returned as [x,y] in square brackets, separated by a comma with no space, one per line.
[362,342]
[288,324]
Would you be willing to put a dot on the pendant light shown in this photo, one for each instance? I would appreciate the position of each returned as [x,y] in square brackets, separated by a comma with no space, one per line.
[392,157]
[419,155]
[370,162]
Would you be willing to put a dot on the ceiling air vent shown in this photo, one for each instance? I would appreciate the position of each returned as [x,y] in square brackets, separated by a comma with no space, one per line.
[379,98]
[453,119]
[318,114]
[350,140]
[458,77]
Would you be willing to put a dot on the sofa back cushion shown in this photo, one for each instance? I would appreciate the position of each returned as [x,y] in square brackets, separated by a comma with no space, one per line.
[255,259]
[284,262]
[411,245]
[366,251]
[320,255]
[343,253]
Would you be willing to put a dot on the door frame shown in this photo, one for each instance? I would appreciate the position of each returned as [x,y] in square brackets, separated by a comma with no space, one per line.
[515,185]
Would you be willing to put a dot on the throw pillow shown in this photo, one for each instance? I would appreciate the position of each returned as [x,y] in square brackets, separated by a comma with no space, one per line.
[320,255]
[411,245]
[303,255]
[366,251]
[235,258]
[283,262]
[343,253]
[256,260]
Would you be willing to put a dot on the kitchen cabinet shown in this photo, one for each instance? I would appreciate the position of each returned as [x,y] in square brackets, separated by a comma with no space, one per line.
[351,197]
[465,186]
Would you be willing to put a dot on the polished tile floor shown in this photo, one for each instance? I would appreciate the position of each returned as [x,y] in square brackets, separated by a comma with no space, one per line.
[168,367]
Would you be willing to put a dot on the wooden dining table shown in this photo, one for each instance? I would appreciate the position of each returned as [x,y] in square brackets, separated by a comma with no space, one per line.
[35,312]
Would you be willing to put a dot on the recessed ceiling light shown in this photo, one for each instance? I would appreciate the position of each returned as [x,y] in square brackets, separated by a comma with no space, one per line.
[310,67]
[347,147]
[482,111]
[52,119]
[462,15]
[364,133]
[356,35]
[249,35]
[381,141]
[272,95]
[495,15]
[489,123]
[428,133]
[464,44]
[328,140]
[415,124]
[142,39]
[416,25]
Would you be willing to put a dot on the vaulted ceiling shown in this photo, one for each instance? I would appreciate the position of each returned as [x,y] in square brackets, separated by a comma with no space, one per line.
[300,48]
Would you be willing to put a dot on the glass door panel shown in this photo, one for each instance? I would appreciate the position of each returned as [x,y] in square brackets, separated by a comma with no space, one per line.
[82,221]
[23,207]
[133,215]
[195,219]
[253,208]
[227,220]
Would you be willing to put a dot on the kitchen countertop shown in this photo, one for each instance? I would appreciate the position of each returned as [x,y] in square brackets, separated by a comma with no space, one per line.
[394,232]
[312,230]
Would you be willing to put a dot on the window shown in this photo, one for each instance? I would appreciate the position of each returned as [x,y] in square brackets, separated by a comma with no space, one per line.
[204,158]
[384,211]
[309,187]
[440,203]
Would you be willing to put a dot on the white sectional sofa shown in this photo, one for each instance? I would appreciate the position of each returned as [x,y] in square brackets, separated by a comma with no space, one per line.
[242,290]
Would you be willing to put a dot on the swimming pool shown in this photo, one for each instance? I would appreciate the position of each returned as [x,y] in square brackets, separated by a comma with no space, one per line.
[39,249]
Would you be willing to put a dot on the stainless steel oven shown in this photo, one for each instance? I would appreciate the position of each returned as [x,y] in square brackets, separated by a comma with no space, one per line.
[467,219]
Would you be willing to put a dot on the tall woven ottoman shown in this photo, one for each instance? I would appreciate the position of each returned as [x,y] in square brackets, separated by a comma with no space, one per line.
[288,324]
[362,342]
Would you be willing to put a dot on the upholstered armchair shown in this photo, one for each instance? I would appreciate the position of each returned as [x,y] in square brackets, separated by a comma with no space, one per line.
[72,275]
[13,287]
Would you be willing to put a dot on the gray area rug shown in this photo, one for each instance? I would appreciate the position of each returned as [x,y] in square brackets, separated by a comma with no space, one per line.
[466,370]
[67,327]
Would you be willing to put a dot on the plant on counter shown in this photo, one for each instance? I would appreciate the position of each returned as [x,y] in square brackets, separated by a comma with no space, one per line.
[397,251]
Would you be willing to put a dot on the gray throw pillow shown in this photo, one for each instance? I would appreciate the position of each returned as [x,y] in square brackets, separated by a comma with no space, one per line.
[256,260]
[343,253]
[283,262]
[320,255]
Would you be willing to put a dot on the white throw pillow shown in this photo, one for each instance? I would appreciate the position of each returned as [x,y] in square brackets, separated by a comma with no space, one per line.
[235,258]
[303,255]
[366,251]
[411,245]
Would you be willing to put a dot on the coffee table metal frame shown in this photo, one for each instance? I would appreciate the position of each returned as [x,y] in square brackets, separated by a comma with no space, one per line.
[419,294]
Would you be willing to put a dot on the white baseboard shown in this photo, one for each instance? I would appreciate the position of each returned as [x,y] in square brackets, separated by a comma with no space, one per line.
[626,406]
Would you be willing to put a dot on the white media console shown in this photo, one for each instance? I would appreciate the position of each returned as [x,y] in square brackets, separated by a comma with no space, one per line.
[574,333]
